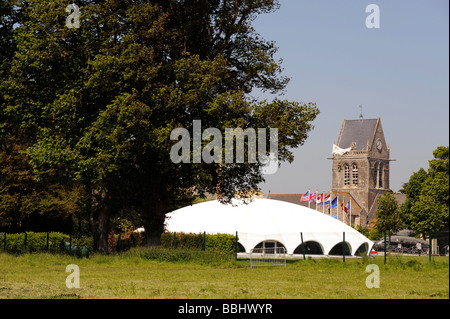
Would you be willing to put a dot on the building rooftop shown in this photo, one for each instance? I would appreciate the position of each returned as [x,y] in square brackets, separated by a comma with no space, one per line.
[359,131]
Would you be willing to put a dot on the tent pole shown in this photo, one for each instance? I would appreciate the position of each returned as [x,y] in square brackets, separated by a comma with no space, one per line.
[235,246]
[343,246]
[303,246]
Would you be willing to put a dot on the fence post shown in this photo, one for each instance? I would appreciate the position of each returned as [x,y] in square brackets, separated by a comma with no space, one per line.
[235,246]
[204,240]
[70,242]
[385,247]
[4,243]
[303,246]
[174,245]
[47,240]
[343,246]
[146,238]
[430,247]
[25,240]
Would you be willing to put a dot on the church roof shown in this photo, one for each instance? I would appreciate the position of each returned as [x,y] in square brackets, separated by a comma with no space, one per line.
[359,131]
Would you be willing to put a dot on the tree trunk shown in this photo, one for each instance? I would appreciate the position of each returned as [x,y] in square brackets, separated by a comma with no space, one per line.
[103,229]
[155,225]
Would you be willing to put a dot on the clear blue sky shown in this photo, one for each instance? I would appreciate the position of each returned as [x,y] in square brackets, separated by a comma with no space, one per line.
[399,72]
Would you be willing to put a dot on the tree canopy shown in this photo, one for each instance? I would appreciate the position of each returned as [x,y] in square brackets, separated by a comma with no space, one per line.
[388,214]
[426,208]
[92,108]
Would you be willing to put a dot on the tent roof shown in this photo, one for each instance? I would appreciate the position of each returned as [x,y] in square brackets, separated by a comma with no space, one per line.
[263,220]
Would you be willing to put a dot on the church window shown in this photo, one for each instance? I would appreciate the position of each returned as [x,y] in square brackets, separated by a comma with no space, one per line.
[380,176]
[346,174]
[355,174]
[375,175]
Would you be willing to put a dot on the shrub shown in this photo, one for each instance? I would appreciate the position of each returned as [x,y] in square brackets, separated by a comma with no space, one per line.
[136,240]
[223,243]
[31,241]
[185,255]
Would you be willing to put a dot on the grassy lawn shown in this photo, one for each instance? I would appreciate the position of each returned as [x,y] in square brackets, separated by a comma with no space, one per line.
[134,275]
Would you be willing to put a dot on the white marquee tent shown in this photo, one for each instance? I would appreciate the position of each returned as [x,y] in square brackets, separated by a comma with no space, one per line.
[270,221]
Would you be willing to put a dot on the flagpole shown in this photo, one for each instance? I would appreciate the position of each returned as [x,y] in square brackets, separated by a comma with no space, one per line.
[337,207]
[309,198]
[350,212]
[329,205]
[317,193]
[323,204]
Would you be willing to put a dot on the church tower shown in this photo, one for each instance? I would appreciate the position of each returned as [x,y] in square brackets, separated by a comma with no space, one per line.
[360,168]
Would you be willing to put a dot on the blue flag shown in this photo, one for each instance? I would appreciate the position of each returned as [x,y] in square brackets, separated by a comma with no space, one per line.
[334,202]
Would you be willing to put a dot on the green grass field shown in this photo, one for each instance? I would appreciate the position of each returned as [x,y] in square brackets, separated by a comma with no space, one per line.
[136,274]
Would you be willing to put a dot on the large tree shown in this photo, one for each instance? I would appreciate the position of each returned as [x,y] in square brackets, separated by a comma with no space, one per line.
[27,201]
[95,105]
[388,214]
[426,208]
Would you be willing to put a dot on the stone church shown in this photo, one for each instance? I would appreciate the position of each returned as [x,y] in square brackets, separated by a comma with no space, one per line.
[361,168]
[360,172]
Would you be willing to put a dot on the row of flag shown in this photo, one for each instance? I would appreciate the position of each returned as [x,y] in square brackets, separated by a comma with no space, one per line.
[319,199]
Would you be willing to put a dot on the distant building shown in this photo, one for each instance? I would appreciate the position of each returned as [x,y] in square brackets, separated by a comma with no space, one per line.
[360,172]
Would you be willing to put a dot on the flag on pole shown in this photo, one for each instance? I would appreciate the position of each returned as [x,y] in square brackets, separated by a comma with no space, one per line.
[334,202]
[346,208]
[313,197]
[305,197]
[319,199]
[326,200]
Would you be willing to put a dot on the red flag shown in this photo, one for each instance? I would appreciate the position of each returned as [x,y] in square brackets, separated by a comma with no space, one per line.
[346,208]
[319,199]
[305,197]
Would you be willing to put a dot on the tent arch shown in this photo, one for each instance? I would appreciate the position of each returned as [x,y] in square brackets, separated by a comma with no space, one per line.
[311,248]
[337,249]
[362,249]
[270,243]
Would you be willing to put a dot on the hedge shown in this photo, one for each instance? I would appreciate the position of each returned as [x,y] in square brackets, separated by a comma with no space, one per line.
[213,242]
[31,241]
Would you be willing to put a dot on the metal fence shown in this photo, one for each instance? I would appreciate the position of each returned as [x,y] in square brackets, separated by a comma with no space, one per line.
[267,256]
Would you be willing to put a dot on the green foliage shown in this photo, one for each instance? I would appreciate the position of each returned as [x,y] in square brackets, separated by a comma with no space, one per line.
[363,230]
[387,214]
[182,255]
[214,242]
[34,242]
[92,108]
[220,242]
[135,240]
[375,234]
[426,208]
[440,163]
